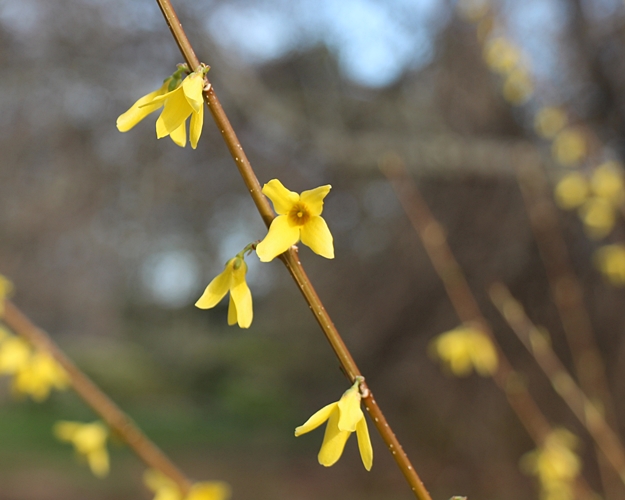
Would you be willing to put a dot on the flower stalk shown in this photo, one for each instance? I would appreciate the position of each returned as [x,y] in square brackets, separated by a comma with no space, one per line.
[114,417]
[291,259]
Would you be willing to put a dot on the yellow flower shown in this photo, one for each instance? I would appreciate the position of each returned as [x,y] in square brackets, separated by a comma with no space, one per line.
[555,464]
[549,121]
[610,260]
[89,441]
[39,376]
[6,288]
[232,279]
[598,216]
[571,191]
[518,87]
[466,348]
[501,55]
[569,147]
[298,218]
[607,182]
[179,101]
[209,490]
[14,355]
[163,487]
[166,489]
[344,417]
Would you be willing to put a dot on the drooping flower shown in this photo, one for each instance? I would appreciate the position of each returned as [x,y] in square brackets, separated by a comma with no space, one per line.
[299,218]
[465,348]
[344,417]
[39,376]
[89,441]
[166,489]
[231,279]
[180,98]
[555,464]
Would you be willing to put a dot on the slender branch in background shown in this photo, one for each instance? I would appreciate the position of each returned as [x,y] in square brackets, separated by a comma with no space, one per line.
[291,259]
[567,294]
[583,408]
[432,236]
[115,418]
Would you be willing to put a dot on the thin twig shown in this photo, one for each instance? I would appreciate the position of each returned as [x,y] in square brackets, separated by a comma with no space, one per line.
[433,238]
[291,259]
[115,418]
[567,294]
[583,408]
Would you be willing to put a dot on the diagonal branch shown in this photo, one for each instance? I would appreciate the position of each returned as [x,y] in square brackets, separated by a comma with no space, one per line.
[115,418]
[291,259]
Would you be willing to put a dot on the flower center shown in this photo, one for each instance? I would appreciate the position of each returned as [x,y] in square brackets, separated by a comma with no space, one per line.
[298,215]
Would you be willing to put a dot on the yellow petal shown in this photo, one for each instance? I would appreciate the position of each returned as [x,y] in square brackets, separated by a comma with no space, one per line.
[571,191]
[65,431]
[279,239]
[140,109]
[241,296]
[209,490]
[192,86]
[175,112]
[179,136]
[14,355]
[334,441]
[317,419]
[313,199]
[216,289]
[282,199]
[349,409]
[364,443]
[232,312]
[316,235]
[549,121]
[195,129]
[598,216]
[99,462]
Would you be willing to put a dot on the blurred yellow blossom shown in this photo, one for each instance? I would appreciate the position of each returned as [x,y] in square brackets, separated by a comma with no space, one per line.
[598,217]
[607,182]
[501,55]
[569,147]
[6,289]
[299,217]
[89,441]
[231,279]
[15,355]
[166,489]
[555,464]
[162,487]
[39,376]
[610,260]
[180,98]
[209,490]
[549,121]
[344,417]
[571,191]
[465,348]
[518,86]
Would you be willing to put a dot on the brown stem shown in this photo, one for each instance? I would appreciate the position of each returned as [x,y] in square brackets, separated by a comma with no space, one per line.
[583,408]
[115,418]
[291,259]
[567,294]
[434,241]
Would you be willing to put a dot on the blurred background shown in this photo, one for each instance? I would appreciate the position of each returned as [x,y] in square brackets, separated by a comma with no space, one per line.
[110,238]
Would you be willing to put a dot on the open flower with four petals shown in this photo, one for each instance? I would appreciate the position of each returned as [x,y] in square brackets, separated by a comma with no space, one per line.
[166,489]
[344,417]
[299,218]
[231,279]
